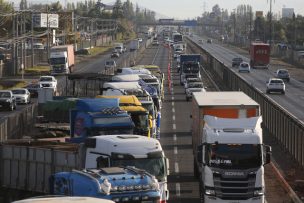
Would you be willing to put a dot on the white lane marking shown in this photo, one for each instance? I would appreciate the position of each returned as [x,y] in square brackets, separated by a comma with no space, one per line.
[175,150]
[174,126]
[177,186]
[172,97]
[173,110]
[174,137]
[176,168]
[172,103]
[173,117]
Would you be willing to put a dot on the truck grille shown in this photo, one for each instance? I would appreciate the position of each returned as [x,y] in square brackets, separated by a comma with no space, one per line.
[234,188]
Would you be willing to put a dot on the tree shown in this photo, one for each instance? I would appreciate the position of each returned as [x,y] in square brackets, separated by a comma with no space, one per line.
[117,10]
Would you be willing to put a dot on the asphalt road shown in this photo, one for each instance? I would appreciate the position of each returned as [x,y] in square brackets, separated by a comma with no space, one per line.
[176,138]
[292,101]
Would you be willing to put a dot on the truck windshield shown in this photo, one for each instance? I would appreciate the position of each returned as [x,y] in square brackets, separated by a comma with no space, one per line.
[190,68]
[140,120]
[57,61]
[234,156]
[154,166]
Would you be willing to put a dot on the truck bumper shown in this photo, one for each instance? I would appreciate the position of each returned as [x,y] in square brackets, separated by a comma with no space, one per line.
[211,199]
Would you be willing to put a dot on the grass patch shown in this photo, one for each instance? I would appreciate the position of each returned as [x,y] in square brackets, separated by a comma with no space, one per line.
[98,50]
[37,70]
[4,85]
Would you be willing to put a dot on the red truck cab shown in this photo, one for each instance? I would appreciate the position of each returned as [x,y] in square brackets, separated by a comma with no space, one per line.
[259,55]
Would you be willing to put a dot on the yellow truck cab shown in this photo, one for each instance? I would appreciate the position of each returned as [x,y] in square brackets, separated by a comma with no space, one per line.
[140,116]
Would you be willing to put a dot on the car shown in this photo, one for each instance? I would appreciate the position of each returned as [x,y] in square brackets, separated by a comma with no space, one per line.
[209,41]
[244,67]
[48,82]
[110,64]
[191,80]
[22,95]
[275,85]
[114,54]
[33,89]
[283,74]
[194,87]
[82,52]
[236,62]
[7,100]
[200,41]
[155,42]
[140,40]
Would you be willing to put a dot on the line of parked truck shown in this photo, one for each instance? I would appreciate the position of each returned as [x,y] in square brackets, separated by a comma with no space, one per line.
[112,151]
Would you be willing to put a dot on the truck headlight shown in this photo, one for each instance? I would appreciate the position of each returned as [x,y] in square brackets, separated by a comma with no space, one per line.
[154,184]
[106,186]
[7,100]
[209,191]
[258,192]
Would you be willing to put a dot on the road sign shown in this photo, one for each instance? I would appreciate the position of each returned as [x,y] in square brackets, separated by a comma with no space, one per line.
[190,23]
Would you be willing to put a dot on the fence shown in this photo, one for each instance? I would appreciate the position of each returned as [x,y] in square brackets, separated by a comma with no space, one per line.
[288,130]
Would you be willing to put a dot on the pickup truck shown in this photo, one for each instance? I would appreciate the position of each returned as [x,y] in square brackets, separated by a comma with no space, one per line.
[48,82]
[7,100]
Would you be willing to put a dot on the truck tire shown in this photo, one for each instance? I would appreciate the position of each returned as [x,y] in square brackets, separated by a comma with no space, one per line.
[201,194]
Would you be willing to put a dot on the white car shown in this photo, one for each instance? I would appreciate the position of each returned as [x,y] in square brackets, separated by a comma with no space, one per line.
[48,82]
[110,64]
[22,95]
[275,85]
[244,67]
[194,87]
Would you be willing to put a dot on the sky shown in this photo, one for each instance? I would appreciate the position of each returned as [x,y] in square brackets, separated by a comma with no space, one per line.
[188,9]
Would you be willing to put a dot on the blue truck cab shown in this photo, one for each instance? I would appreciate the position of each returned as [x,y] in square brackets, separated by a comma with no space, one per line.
[119,184]
[98,116]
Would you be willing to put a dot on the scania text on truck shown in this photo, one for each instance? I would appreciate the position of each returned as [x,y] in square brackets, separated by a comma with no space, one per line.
[229,154]
[259,55]
[62,60]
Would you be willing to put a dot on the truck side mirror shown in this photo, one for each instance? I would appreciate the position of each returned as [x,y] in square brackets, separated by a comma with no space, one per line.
[267,151]
[168,166]
[199,154]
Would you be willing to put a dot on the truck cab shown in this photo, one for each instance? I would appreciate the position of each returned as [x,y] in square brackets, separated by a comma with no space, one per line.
[130,150]
[232,158]
[140,115]
[119,184]
[93,117]
[62,59]
[189,65]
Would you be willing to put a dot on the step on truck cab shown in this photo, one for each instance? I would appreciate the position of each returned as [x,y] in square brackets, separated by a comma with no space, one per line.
[119,184]
[229,154]
[130,150]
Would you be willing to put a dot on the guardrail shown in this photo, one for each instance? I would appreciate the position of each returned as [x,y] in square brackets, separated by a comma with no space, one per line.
[278,122]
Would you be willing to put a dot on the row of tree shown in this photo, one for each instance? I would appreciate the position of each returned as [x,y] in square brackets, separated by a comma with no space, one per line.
[243,22]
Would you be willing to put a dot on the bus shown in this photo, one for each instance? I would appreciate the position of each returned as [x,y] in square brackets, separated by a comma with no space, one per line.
[177,37]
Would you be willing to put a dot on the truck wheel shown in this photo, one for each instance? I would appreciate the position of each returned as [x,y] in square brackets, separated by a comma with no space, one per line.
[201,194]
[283,92]
[187,98]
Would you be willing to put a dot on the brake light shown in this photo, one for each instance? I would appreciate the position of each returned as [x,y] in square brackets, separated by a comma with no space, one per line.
[163,201]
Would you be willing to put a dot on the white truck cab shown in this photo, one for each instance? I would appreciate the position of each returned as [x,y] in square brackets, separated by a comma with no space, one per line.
[129,150]
[232,158]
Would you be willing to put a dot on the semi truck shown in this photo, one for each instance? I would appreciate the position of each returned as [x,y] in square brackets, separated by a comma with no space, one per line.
[100,116]
[62,59]
[259,55]
[119,184]
[229,154]
[134,45]
[132,150]
[140,116]
[189,65]
[57,168]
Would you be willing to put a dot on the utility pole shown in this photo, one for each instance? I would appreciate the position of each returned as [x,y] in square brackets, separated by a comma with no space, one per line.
[270,22]
[14,45]
[32,38]
[48,31]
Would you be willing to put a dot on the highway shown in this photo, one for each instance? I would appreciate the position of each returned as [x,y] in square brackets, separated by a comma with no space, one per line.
[176,138]
[293,99]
